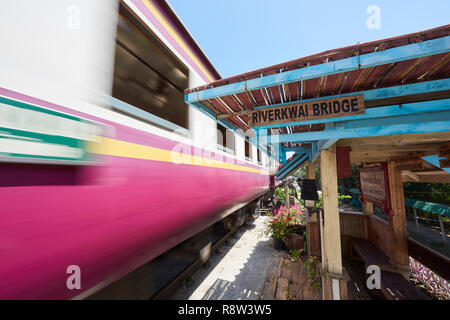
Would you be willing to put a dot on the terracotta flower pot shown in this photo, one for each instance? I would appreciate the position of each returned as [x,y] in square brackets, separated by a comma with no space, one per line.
[294,241]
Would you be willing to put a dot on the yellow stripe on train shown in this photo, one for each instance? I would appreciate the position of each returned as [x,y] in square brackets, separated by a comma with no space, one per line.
[119,148]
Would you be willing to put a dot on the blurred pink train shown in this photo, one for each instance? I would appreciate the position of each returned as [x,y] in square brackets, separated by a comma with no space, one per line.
[103,165]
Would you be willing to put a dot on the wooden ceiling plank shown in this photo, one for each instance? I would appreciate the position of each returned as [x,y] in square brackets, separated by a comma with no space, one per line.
[363,76]
[392,65]
[436,67]
[413,67]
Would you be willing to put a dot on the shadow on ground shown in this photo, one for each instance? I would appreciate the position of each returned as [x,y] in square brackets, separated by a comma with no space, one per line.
[237,270]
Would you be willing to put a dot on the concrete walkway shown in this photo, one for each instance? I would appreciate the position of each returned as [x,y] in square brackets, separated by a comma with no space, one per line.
[237,270]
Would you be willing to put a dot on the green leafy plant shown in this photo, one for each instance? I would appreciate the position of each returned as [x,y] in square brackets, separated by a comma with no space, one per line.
[340,198]
[295,254]
[280,193]
[288,291]
[285,221]
[315,273]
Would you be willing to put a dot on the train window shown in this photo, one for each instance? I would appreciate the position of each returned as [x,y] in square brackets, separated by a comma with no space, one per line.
[148,76]
[225,139]
[259,156]
[248,154]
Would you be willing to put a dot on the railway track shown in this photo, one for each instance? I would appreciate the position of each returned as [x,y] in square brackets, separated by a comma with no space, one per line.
[159,278]
[204,255]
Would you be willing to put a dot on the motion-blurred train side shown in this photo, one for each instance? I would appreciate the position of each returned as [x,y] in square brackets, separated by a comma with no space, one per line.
[102,164]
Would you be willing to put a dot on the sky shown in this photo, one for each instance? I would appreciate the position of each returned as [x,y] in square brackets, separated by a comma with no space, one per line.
[243,35]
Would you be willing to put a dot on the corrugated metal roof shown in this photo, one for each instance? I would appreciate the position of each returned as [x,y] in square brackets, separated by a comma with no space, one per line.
[403,72]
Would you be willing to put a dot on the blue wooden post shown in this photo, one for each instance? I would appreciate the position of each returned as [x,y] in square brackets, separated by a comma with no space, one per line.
[283,154]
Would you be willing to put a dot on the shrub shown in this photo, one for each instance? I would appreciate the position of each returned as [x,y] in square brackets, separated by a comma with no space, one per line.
[286,221]
[424,278]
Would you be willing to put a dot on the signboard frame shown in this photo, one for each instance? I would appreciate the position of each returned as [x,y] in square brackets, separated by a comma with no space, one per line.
[385,204]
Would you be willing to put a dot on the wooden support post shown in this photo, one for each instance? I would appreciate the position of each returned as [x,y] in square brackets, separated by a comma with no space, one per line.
[398,220]
[331,234]
[310,173]
[368,207]
[313,238]
[444,235]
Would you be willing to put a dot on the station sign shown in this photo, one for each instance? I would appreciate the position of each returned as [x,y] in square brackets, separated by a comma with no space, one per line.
[374,186]
[319,109]
[30,133]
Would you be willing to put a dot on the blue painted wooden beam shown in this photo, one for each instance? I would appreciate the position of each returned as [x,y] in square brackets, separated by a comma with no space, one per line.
[407,52]
[288,165]
[404,119]
[376,131]
[381,118]
[315,151]
[294,149]
[292,166]
[369,95]
[380,112]
[434,160]
[255,140]
[300,150]
[325,144]
[383,93]
[294,162]
[283,155]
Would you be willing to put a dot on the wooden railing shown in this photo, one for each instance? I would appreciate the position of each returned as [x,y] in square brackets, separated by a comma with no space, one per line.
[439,209]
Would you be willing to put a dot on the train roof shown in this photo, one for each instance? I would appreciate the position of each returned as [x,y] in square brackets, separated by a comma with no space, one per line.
[170,27]
[178,23]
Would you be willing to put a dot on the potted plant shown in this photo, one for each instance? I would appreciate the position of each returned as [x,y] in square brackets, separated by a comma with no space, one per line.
[288,225]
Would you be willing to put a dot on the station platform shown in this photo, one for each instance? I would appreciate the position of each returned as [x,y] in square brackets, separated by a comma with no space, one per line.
[237,270]
[250,267]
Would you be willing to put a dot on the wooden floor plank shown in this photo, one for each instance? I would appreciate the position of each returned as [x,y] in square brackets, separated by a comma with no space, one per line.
[395,287]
